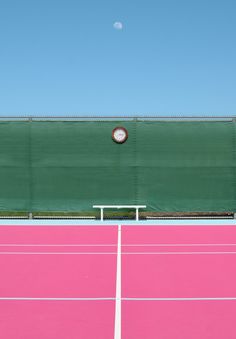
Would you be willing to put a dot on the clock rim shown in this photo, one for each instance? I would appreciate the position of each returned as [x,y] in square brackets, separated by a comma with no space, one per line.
[113,134]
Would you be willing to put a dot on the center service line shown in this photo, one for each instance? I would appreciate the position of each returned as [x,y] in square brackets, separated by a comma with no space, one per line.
[117,334]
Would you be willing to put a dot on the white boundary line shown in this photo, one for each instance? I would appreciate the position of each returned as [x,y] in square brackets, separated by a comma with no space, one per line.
[113,245]
[117,329]
[53,299]
[174,253]
[114,299]
[58,245]
[172,245]
[58,253]
[115,253]
[183,223]
[182,299]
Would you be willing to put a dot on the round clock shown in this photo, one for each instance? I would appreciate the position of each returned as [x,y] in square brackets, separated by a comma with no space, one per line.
[120,135]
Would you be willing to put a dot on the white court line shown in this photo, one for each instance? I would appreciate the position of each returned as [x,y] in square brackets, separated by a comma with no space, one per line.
[174,245]
[112,245]
[114,253]
[53,299]
[183,299]
[117,329]
[58,245]
[182,224]
[120,299]
[57,253]
[175,253]
[65,224]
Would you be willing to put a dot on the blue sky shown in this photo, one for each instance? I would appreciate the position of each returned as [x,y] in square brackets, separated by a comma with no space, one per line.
[64,57]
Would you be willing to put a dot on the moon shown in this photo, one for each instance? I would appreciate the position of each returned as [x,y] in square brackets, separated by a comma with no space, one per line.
[118,25]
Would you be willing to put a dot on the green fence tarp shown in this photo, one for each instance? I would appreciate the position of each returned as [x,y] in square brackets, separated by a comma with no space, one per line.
[71,165]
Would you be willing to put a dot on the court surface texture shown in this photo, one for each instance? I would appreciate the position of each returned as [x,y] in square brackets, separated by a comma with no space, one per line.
[111,280]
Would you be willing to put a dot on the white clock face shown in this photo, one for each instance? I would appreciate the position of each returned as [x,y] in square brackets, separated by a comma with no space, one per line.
[119,135]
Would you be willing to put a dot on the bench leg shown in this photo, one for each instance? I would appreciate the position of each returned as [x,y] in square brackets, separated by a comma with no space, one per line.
[137,214]
[101,214]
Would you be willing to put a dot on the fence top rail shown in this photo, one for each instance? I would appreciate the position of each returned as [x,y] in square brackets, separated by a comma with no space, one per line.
[119,118]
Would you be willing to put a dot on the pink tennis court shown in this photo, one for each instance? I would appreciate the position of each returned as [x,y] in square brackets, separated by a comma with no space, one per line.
[129,281]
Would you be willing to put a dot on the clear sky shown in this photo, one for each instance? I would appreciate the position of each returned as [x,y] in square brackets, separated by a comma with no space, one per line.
[65,57]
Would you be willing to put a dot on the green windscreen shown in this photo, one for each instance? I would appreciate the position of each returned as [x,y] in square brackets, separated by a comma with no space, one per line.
[171,166]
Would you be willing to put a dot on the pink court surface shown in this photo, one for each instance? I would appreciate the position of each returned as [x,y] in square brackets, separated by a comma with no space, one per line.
[113,281]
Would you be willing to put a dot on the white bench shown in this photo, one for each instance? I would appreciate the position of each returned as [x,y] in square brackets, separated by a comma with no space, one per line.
[136,207]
